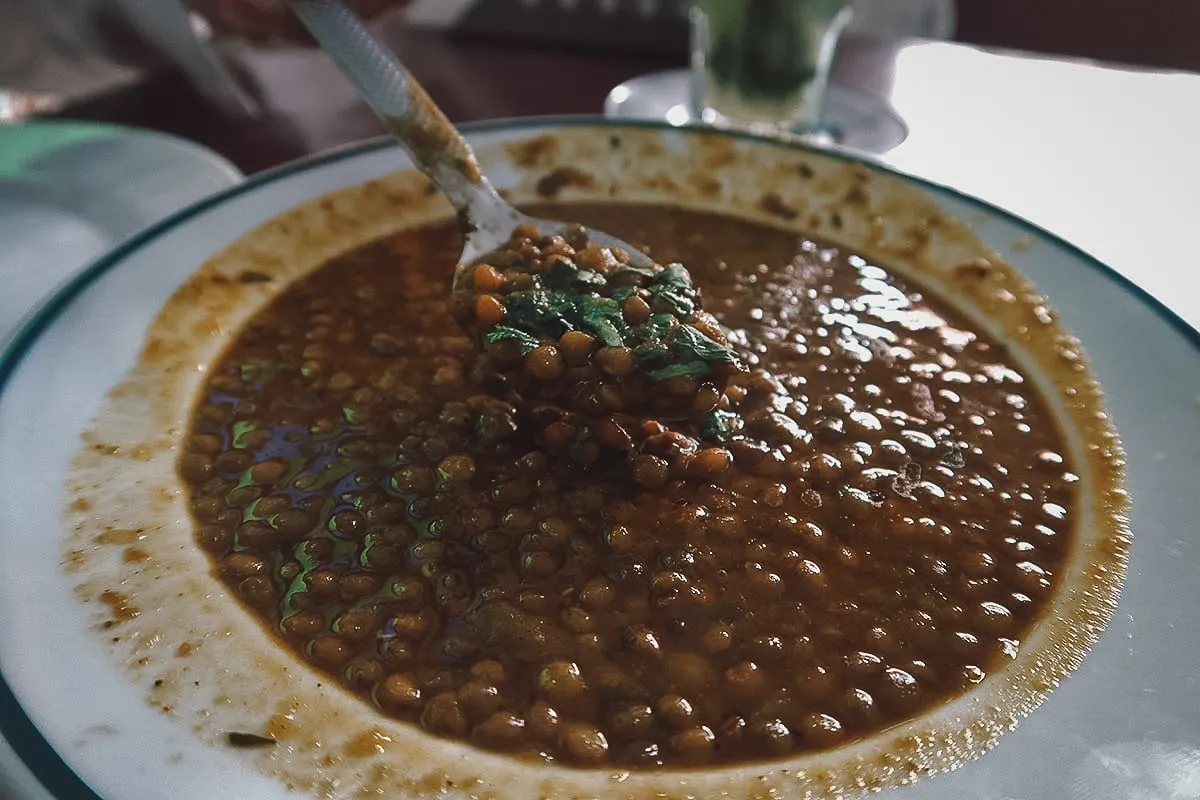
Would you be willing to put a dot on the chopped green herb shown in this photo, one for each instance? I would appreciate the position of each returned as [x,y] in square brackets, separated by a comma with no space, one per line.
[653,340]
[651,353]
[715,426]
[566,298]
[693,342]
[542,310]
[676,299]
[561,275]
[587,278]
[527,309]
[259,370]
[678,370]
[502,333]
[565,276]
[630,269]
[602,315]
[674,287]
[675,275]
[608,333]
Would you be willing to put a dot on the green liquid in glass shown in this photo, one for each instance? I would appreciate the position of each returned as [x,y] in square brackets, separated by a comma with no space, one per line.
[765,61]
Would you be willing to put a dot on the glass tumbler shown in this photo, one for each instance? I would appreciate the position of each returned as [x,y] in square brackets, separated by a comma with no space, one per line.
[764,64]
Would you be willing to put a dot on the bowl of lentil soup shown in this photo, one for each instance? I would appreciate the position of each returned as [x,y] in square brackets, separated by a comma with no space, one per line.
[336,560]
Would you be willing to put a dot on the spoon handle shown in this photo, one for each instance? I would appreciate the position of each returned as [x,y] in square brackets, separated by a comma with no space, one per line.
[436,147]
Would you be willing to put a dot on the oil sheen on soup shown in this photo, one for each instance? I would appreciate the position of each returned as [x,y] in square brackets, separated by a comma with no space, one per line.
[867,526]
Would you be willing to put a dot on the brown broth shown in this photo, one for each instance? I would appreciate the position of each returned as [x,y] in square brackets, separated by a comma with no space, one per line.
[876,531]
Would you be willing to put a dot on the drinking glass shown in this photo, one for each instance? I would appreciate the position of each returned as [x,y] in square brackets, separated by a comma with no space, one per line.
[764,64]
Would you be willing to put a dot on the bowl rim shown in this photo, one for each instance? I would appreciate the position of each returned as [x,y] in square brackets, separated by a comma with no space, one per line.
[31,747]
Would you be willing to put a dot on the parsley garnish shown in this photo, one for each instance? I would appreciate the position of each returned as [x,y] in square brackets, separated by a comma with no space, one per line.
[691,341]
[567,298]
[678,370]
[717,425]
[502,333]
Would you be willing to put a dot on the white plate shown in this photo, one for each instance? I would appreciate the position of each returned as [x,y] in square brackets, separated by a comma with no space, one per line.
[71,191]
[860,121]
[1126,724]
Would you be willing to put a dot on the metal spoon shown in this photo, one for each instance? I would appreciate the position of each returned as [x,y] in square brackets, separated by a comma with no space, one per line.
[435,145]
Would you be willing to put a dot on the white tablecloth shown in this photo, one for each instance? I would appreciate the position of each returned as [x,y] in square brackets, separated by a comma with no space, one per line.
[1106,158]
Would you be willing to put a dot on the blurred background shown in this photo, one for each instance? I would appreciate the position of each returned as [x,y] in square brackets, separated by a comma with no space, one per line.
[1156,33]
[57,51]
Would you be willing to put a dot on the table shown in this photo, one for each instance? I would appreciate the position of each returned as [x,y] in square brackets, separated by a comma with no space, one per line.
[1103,156]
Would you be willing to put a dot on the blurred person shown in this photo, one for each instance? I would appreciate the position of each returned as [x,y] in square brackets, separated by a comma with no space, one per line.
[259,20]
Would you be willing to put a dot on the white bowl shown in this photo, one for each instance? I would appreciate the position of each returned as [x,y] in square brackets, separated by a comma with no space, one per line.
[136,705]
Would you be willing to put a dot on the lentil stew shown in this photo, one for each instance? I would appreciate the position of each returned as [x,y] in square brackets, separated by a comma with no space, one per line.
[867,525]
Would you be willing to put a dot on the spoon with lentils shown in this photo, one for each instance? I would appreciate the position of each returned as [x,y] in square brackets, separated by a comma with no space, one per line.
[564,315]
